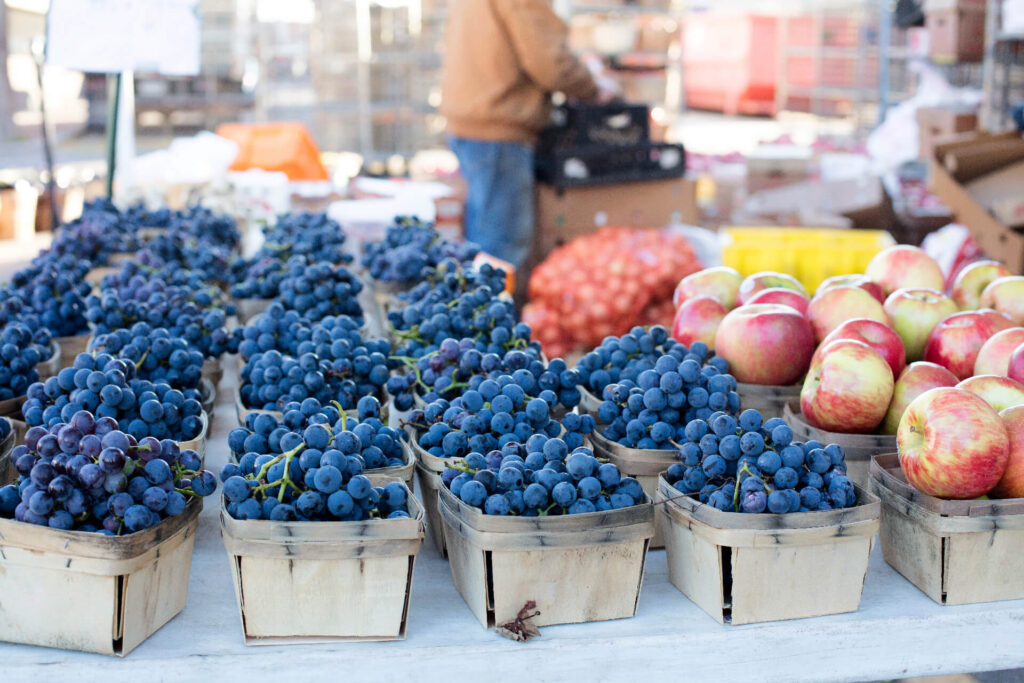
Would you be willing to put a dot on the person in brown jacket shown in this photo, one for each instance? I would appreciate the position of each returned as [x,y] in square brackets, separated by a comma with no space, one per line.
[503,59]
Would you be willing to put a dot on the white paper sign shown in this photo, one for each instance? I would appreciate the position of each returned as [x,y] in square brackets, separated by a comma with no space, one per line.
[110,36]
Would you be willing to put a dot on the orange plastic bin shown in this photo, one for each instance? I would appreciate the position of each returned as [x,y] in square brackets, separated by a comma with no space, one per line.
[284,146]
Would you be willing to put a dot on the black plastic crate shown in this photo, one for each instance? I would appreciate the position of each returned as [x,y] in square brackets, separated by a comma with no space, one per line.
[606,125]
[604,165]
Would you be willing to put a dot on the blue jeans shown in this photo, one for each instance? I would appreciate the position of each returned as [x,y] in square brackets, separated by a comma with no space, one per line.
[499,205]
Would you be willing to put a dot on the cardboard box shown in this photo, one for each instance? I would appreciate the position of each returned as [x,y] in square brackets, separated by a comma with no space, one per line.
[956,30]
[861,201]
[771,166]
[950,179]
[564,214]
[935,123]
[1002,193]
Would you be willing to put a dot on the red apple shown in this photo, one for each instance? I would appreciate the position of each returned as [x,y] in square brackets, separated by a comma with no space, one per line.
[1015,369]
[831,308]
[781,295]
[1006,295]
[999,392]
[720,282]
[956,341]
[1000,320]
[913,313]
[971,281]
[952,444]
[878,336]
[697,320]
[994,356]
[753,284]
[904,266]
[848,389]
[861,281]
[1011,485]
[765,344]
[916,379]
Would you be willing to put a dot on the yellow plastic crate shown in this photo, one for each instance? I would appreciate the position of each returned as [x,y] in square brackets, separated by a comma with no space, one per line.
[808,254]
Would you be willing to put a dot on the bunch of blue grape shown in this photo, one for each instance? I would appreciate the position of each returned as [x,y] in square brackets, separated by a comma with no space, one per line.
[321,289]
[55,290]
[100,232]
[173,253]
[271,379]
[624,358]
[87,475]
[752,465]
[274,329]
[497,412]
[258,278]
[449,279]
[106,386]
[478,314]
[540,478]
[318,477]
[156,354]
[460,365]
[653,412]
[313,235]
[409,248]
[185,311]
[195,224]
[364,435]
[19,355]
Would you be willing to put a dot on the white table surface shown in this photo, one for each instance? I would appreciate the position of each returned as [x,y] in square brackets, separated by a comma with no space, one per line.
[898,632]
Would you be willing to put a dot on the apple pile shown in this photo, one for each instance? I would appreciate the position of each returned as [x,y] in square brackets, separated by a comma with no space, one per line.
[865,346]
[603,284]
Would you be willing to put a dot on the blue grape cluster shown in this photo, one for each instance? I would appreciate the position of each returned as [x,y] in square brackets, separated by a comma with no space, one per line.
[99,233]
[87,475]
[318,477]
[258,278]
[106,386]
[275,329]
[409,248]
[54,289]
[157,355]
[653,411]
[19,355]
[197,225]
[460,365]
[752,465]
[624,358]
[321,289]
[539,478]
[497,412]
[365,436]
[190,311]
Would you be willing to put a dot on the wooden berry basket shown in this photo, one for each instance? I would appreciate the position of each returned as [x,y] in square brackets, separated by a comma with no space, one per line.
[769,400]
[645,465]
[208,397]
[743,568]
[589,403]
[70,347]
[51,366]
[6,446]
[78,590]
[310,582]
[859,448]
[12,406]
[956,551]
[429,469]
[577,568]
[246,309]
[213,371]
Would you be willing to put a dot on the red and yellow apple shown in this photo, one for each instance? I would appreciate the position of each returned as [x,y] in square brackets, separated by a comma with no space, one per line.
[1006,295]
[1011,485]
[994,356]
[698,320]
[720,282]
[848,389]
[913,313]
[904,266]
[861,281]
[956,341]
[1001,321]
[831,308]
[781,295]
[971,281]
[916,379]
[999,392]
[752,284]
[765,344]
[1015,369]
[952,444]
[878,336]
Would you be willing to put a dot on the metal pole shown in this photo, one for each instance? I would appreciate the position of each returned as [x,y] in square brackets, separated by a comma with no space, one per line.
[114,100]
[884,49]
[51,184]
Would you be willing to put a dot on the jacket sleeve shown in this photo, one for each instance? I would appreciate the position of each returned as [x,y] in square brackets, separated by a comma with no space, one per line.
[541,42]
